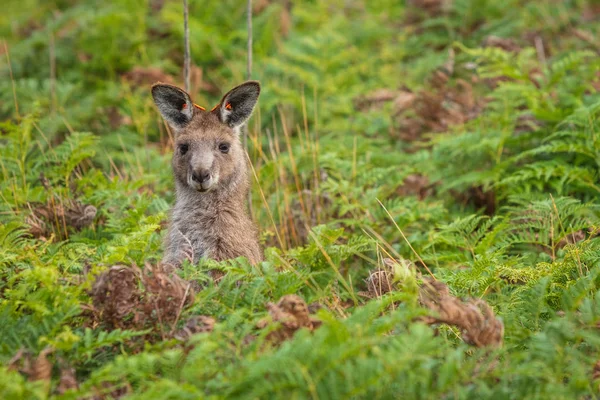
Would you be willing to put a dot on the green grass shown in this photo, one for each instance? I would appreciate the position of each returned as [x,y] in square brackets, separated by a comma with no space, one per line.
[499,198]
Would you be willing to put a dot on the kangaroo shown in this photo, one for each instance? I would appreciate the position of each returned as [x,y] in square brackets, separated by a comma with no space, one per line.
[209,218]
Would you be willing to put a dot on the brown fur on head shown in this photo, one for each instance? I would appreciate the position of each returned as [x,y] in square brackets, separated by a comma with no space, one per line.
[208,154]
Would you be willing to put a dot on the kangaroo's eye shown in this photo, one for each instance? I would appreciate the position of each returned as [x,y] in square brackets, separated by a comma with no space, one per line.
[183,148]
[224,148]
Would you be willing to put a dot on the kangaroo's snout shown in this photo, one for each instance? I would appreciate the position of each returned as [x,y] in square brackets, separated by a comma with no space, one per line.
[201,176]
[202,172]
[202,179]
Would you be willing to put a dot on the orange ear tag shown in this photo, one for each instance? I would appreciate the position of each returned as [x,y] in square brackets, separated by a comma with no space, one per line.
[199,107]
[227,106]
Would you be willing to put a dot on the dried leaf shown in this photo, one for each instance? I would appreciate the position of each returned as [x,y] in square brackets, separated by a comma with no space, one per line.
[34,368]
[474,318]
[127,297]
[21,362]
[146,76]
[505,44]
[68,380]
[291,312]
[196,324]
[591,12]
[596,373]
[379,282]
[403,101]
[285,20]
[431,7]
[116,295]
[374,99]
[116,119]
[41,368]
[415,185]
[437,109]
[156,5]
[258,6]
[55,217]
[479,198]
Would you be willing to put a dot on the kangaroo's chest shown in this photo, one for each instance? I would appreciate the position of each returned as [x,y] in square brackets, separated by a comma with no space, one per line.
[203,234]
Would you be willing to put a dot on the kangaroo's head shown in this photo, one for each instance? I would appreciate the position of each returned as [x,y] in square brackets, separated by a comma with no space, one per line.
[208,154]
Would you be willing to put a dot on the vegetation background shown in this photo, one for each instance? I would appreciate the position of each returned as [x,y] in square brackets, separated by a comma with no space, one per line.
[393,138]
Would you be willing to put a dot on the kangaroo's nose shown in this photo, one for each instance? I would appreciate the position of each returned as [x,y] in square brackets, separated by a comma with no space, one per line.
[201,176]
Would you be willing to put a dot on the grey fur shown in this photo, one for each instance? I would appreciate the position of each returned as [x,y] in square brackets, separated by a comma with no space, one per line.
[170,101]
[209,218]
[242,99]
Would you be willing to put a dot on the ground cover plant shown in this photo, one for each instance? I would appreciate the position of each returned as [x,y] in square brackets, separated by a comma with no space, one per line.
[425,178]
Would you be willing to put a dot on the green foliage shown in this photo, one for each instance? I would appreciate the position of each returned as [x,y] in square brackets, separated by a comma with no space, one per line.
[555,147]
[335,192]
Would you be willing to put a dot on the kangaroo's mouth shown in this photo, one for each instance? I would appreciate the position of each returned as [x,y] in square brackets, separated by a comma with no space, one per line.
[203,187]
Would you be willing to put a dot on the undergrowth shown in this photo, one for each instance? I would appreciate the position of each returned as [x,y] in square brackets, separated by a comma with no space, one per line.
[458,137]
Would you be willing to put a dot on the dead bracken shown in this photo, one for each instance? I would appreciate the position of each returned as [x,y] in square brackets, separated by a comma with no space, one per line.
[375,99]
[196,324]
[505,44]
[416,185]
[128,298]
[431,7]
[57,218]
[474,318]
[379,282]
[68,379]
[39,368]
[596,374]
[291,313]
[436,109]
[146,76]
[35,368]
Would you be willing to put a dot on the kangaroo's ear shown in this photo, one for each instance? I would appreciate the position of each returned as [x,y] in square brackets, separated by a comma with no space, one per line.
[237,105]
[174,104]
